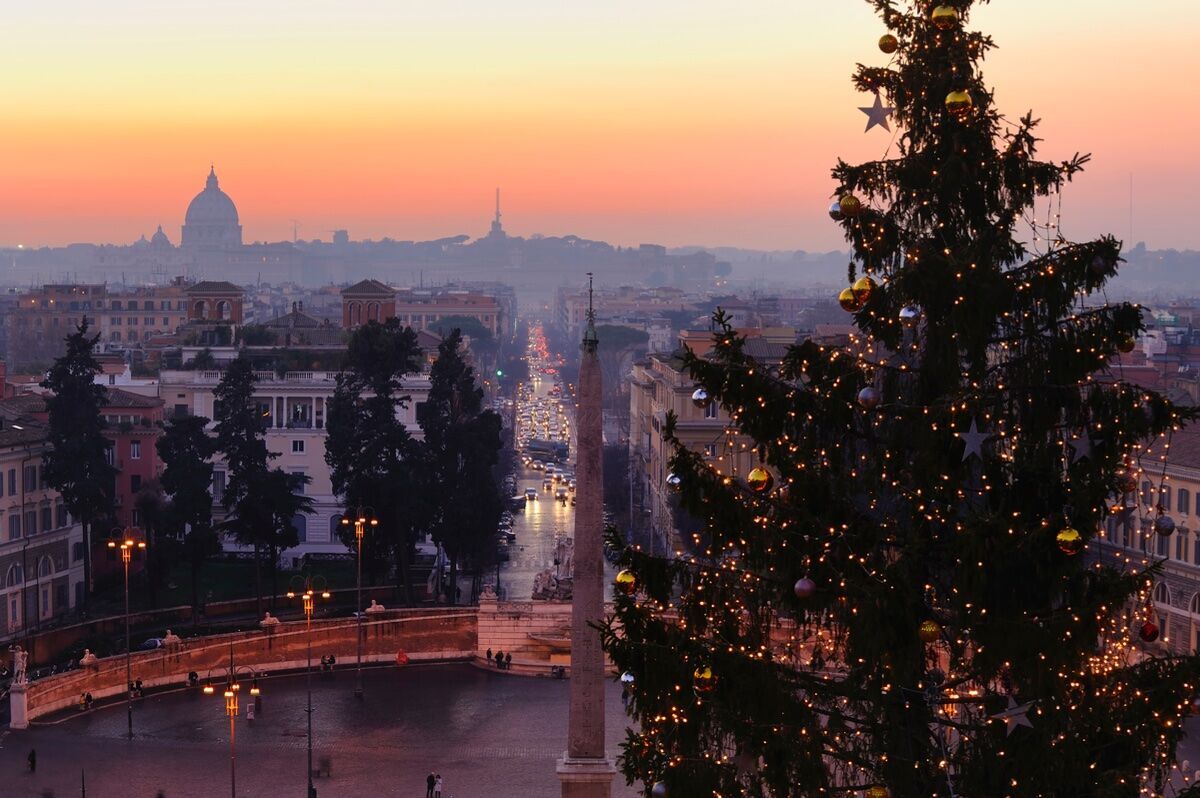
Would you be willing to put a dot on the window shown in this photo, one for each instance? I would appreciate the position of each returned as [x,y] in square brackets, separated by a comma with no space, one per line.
[1181,547]
[181,411]
[135,450]
[1183,501]
[14,526]
[300,481]
[108,454]
[16,575]
[1164,546]
[116,304]
[1147,494]
[116,321]
[300,524]
[133,321]
[166,321]
[1161,594]
[711,409]
[47,518]
[1164,498]
[60,515]
[76,552]
[135,483]
[30,523]
[135,518]
[29,483]
[298,447]
[218,490]
[335,526]
[710,450]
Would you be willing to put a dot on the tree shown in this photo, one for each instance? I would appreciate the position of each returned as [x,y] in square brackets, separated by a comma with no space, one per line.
[897,601]
[186,450]
[281,495]
[241,439]
[372,458]
[462,443]
[76,463]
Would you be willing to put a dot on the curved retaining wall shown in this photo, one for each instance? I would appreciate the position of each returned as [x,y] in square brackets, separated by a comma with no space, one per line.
[423,635]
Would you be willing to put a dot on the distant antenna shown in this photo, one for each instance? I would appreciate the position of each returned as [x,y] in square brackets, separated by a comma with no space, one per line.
[295,231]
[497,207]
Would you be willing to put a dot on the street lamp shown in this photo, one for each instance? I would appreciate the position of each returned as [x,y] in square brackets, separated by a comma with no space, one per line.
[307,588]
[364,517]
[129,542]
[233,688]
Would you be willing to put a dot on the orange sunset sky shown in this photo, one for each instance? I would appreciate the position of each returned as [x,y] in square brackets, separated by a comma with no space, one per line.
[701,122]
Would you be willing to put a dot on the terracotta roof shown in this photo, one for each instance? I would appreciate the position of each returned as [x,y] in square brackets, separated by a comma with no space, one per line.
[121,398]
[23,405]
[293,320]
[214,287]
[369,288]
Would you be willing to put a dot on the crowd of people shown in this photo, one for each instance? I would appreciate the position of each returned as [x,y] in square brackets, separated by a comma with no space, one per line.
[503,661]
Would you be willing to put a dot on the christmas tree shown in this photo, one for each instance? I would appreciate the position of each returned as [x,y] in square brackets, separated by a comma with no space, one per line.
[900,598]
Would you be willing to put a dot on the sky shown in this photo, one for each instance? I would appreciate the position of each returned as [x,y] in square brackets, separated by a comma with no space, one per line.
[711,122]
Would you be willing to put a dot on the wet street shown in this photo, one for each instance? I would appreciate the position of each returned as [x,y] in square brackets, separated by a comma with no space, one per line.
[488,734]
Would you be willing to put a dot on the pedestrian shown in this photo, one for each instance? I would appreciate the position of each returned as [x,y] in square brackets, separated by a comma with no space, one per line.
[489,655]
[32,760]
[437,786]
[499,659]
[430,781]
[508,661]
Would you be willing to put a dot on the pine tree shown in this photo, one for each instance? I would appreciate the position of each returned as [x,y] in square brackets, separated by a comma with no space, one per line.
[462,444]
[898,600]
[186,451]
[76,463]
[241,439]
[372,458]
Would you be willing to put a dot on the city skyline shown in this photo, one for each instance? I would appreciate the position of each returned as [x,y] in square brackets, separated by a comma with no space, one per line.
[678,124]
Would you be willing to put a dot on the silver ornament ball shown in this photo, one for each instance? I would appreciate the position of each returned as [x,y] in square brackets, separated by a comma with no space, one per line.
[659,790]
[1164,525]
[627,678]
[910,315]
[700,398]
[835,211]
[869,398]
[674,482]
[804,587]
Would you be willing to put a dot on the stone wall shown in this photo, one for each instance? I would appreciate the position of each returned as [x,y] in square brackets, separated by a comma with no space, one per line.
[536,633]
[423,635]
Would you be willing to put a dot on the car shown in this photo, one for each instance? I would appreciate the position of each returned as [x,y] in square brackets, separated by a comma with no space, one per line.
[571,486]
[561,494]
[531,494]
[510,536]
[547,484]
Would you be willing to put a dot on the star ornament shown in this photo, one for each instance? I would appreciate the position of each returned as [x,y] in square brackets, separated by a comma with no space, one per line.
[878,114]
[974,440]
[1016,715]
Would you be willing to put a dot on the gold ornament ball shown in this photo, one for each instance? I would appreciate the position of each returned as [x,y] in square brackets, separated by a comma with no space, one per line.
[626,582]
[929,631]
[959,103]
[1127,344]
[889,43]
[851,205]
[703,679]
[759,479]
[1069,541]
[863,288]
[878,791]
[849,301]
[944,17]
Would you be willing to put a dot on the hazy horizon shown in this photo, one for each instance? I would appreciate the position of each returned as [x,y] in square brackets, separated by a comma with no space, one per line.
[709,123]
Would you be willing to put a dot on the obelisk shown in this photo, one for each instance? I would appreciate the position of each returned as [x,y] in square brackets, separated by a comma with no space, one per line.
[584,770]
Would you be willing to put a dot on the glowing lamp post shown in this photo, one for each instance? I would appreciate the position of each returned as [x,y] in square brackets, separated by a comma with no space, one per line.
[128,541]
[363,518]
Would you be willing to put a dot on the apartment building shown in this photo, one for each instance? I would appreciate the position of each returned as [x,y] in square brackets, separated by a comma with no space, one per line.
[295,407]
[41,546]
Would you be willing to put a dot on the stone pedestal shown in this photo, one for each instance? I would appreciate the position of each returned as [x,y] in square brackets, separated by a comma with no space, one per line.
[18,707]
[585,777]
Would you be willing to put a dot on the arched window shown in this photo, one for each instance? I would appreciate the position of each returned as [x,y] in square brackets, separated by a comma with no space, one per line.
[355,314]
[1183,501]
[300,524]
[15,575]
[45,567]
[1164,498]
[224,310]
[1162,594]
[201,309]
[114,336]
[335,527]
[1194,604]
[373,311]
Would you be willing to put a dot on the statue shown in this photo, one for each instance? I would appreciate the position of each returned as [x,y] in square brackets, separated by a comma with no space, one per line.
[172,641]
[564,556]
[547,586]
[20,663]
[89,660]
[269,622]
[375,608]
[489,593]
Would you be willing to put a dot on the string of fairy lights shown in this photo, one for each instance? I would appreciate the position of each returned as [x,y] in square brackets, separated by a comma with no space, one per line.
[783,572]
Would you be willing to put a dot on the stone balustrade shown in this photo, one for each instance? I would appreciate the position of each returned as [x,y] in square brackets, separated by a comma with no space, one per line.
[423,635]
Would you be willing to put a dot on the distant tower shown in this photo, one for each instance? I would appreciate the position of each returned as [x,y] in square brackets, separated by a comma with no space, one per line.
[497,232]
[584,770]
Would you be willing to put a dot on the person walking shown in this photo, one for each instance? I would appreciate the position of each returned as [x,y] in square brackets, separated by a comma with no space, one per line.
[32,760]
[430,782]
[489,655]
[437,786]
[508,661]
